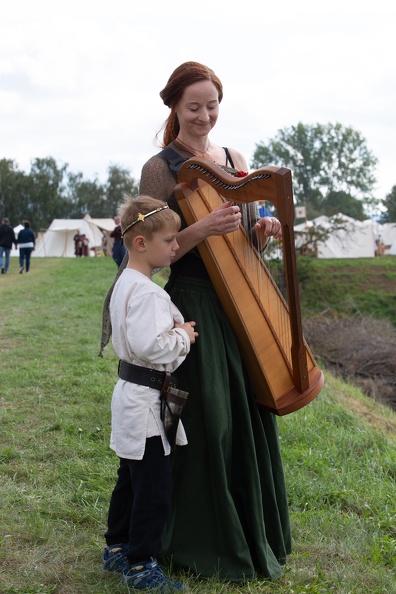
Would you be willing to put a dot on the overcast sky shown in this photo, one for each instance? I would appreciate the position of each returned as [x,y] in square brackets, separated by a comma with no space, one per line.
[80,80]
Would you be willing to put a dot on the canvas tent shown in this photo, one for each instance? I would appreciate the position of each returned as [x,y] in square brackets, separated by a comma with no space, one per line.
[58,240]
[104,224]
[387,233]
[356,240]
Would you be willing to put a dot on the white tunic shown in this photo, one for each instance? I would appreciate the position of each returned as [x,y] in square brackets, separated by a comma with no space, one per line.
[142,318]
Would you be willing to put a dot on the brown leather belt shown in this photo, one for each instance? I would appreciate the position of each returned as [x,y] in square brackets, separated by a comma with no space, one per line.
[144,376]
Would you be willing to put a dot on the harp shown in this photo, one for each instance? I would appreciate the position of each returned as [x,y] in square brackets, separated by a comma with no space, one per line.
[283,372]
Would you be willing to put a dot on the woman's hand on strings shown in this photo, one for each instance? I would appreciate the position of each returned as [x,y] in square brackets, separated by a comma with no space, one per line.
[225,219]
[268,227]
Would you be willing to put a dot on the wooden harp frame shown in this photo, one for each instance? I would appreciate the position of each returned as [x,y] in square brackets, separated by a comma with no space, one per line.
[283,372]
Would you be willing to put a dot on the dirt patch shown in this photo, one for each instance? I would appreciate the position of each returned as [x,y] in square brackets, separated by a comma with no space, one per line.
[359,350]
[368,412]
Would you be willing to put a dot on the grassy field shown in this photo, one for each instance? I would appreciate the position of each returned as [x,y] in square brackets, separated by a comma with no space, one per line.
[364,286]
[57,471]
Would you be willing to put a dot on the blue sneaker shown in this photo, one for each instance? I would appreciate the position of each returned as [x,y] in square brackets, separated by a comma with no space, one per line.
[148,575]
[114,557]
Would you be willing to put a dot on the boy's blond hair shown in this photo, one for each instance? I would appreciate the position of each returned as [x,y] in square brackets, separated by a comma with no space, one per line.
[132,226]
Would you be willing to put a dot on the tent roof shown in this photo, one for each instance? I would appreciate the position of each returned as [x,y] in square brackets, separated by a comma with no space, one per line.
[60,224]
[106,224]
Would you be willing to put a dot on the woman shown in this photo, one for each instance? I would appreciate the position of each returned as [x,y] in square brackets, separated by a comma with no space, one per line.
[229,515]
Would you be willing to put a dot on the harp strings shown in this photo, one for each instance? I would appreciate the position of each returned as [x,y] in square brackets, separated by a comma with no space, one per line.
[274,261]
[268,283]
[265,270]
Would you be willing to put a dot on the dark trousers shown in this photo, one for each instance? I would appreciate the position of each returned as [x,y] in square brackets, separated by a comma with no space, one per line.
[24,257]
[140,502]
[119,251]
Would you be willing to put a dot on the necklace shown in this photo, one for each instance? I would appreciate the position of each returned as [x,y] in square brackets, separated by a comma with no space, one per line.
[191,149]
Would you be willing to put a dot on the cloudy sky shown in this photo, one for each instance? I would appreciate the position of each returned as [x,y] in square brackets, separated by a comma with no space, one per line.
[80,80]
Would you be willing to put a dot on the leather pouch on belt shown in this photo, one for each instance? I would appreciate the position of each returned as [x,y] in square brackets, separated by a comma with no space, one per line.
[172,403]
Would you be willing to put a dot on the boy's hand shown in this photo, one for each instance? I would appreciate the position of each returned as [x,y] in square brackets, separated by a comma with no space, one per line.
[189,328]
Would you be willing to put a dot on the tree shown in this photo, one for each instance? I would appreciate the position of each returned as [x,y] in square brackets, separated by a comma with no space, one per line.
[336,202]
[46,192]
[86,197]
[324,159]
[50,192]
[390,204]
[14,186]
[119,182]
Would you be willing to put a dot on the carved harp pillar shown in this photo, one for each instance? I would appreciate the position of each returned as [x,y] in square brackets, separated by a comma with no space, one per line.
[283,372]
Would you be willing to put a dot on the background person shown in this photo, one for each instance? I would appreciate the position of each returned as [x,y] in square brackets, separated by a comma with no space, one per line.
[104,243]
[26,242]
[119,249]
[85,245]
[78,244]
[7,238]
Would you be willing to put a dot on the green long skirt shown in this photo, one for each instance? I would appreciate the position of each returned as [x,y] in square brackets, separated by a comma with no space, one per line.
[229,515]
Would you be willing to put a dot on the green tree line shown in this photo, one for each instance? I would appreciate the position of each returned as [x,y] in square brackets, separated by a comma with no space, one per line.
[50,191]
[333,172]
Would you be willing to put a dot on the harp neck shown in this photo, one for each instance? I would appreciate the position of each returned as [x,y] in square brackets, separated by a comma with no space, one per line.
[266,183]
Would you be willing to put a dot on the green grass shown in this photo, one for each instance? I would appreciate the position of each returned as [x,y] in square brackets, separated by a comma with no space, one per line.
[360,286]
[57,471]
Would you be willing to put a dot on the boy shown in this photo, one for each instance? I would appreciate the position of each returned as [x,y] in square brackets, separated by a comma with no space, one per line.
[150,337]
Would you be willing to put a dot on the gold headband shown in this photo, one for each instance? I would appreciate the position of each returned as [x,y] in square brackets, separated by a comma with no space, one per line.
[141,217]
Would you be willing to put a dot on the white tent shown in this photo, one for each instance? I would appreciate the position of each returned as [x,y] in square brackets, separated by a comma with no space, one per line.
[105,224]
[387,233]
[58,240]
[355,240]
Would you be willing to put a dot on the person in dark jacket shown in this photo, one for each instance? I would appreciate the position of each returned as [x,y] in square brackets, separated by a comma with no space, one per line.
[26,242]
[119,249]
[7,238]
